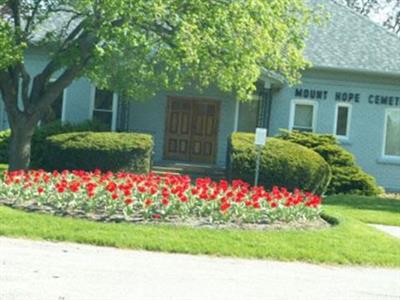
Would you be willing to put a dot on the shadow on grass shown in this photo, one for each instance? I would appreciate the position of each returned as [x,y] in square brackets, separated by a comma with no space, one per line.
[364,203]
[333,221]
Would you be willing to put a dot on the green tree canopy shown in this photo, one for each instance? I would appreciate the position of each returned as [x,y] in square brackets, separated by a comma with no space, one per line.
[137,47]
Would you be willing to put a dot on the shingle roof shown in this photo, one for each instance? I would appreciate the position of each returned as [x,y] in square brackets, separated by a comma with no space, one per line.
[346,41]
[351,41]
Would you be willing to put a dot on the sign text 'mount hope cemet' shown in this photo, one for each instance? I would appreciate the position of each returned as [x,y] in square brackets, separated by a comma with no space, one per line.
[315,94]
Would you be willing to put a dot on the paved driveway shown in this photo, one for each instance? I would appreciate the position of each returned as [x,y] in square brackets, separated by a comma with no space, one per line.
[42,270]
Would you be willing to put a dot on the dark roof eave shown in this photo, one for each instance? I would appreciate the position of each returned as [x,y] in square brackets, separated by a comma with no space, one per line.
[272,78]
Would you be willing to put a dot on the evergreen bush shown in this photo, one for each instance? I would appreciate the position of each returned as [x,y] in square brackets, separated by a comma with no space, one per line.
[347,176]
[107,151]
[40,135]
[283,164]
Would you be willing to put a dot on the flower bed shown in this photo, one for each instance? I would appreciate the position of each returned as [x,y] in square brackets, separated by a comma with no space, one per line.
[144,198]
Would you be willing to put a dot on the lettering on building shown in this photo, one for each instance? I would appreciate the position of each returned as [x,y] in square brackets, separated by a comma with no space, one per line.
[311,94]
[351,97]
[384,100]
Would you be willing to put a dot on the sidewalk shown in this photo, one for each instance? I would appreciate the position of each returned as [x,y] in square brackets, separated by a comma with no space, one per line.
[391,230]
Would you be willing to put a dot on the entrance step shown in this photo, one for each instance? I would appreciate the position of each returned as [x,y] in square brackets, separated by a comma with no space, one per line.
[192,170]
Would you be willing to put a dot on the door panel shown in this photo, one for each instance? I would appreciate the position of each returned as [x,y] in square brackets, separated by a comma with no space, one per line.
[177,130]
[205,131]
[191,130]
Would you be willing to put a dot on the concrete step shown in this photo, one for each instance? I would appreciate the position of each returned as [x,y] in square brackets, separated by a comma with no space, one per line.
[194,171]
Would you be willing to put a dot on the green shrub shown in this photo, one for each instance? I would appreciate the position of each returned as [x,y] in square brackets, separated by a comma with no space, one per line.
[4,142]
[347,177]
[283,164]
[38,150]
[40,135]
[103,150]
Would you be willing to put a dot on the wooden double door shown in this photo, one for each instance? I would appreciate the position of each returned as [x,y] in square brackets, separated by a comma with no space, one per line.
[191,130]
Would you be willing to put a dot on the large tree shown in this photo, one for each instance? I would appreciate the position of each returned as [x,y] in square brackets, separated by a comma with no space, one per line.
[385,12]
[137,47]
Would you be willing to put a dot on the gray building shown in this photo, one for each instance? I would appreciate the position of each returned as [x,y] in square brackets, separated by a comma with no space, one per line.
[352,91]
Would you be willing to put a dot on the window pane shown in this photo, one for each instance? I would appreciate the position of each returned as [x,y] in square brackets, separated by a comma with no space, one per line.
[103,99]
[392,146]
[54,112]
[303,117]
[342,120]
[103,117]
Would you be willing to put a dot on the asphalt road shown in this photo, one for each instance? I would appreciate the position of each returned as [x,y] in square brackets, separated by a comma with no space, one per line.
[61,271]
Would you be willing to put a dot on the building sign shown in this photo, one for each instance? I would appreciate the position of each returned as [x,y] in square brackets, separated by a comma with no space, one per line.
[347,97]
[384,100]
[317,94]
[311,94]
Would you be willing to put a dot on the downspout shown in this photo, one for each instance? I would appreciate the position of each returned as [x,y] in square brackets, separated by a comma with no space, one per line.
[268,100]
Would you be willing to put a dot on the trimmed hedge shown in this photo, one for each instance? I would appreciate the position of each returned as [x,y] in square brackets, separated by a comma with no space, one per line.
[38,152]
[283,164]
[4,142]
[107,151]
[347,176]
[40,135]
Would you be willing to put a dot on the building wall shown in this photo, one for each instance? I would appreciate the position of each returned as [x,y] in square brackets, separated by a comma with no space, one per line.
[366,137]
[77,96]
[149,117]
[248,113]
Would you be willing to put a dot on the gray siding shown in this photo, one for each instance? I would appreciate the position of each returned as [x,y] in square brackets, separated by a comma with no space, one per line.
[78,97]
[367,120]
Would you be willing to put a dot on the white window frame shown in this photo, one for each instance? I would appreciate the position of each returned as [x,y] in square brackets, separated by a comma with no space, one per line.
[384,155]
[312,103]
[236,118]
[114,108]
[3,116]
[64,106]
[350,111]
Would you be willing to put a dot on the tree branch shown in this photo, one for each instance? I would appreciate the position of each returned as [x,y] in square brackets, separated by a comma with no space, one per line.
[25,82]
[30,19]
[43,92]
[9,95]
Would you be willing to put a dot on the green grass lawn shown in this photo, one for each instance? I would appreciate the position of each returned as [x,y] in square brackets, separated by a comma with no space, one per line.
[367,209]
[350,242]
[3,167]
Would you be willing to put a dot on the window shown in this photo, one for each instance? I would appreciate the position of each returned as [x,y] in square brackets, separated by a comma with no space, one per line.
[392,133]
[104,108]
[343,116]
[303,115]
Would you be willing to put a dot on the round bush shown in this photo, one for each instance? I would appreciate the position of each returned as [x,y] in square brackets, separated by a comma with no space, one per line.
[347,176]
[107,151]
[41,133]
[283,164]
[4,142]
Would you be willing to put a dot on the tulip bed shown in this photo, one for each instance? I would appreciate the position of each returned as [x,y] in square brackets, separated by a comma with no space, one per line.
[144,198]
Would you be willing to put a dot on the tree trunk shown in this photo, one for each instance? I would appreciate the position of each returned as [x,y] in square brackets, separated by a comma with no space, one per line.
[20,145]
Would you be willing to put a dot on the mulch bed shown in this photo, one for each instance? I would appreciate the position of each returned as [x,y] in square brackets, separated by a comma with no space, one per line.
[32,206]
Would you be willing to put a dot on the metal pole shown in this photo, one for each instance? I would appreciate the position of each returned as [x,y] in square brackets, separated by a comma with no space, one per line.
[257,165]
